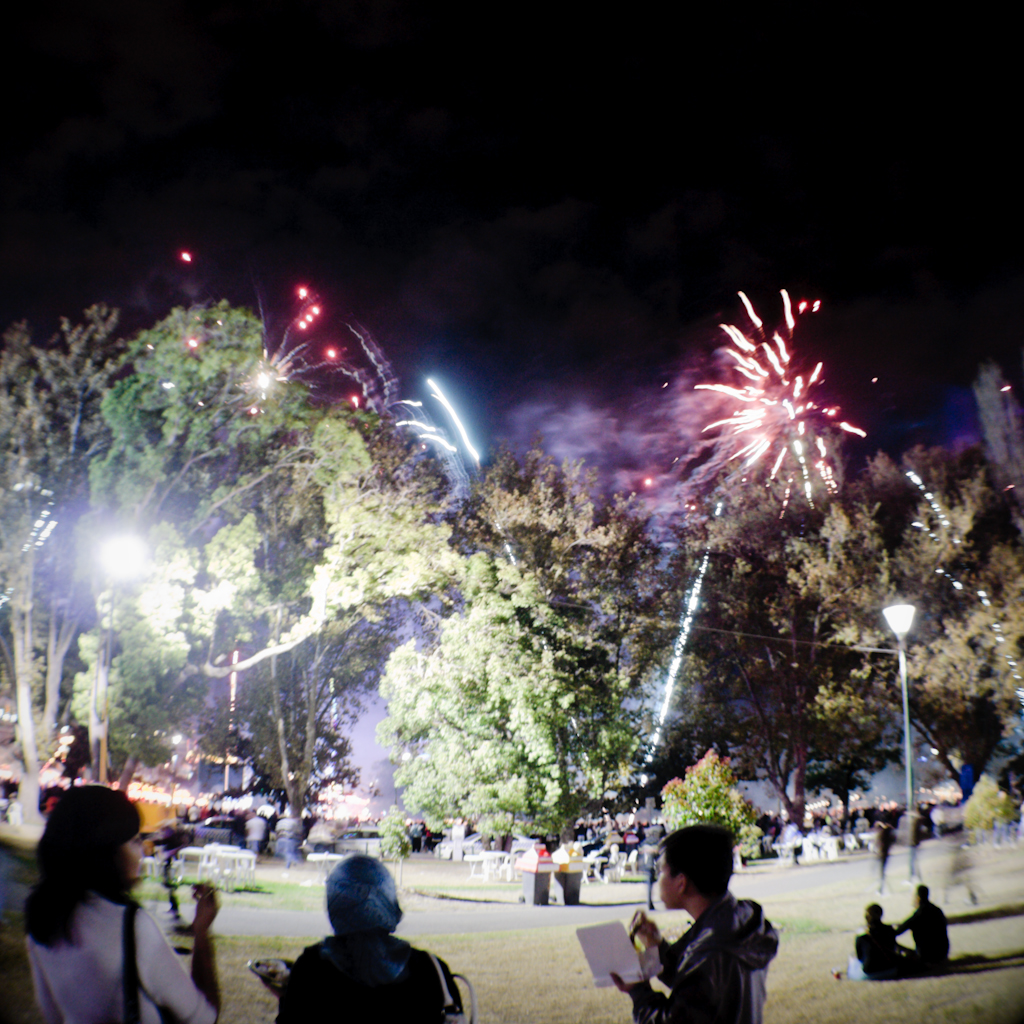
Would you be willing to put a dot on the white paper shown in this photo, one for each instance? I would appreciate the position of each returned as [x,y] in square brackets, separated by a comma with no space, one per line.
[607,949]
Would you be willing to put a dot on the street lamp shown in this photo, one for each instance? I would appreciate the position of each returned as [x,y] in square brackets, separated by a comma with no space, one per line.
[900,618]
[121,558]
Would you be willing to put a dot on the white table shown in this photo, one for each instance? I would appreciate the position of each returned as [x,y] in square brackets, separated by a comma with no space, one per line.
[324,864]
[497,863]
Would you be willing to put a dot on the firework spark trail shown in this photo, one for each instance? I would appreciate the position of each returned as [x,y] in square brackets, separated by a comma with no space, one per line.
[679,647]
[946,524]
[777,416]
[777,413]
[455,419]
[43,525]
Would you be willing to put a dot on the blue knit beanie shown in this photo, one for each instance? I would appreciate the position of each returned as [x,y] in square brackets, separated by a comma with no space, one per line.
[361,897]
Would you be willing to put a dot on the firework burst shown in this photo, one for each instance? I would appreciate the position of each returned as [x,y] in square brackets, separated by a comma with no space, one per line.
[778,419]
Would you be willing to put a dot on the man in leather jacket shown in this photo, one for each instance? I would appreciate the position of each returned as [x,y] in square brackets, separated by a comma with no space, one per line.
[717,971]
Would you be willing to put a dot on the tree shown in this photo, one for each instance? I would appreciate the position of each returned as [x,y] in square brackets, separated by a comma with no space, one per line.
[50,430]
[289,529]
[395,843]
[856,741]
[769,654]
[524,701]
[960,561]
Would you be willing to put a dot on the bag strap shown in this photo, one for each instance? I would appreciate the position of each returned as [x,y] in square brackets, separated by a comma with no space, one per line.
[449,1002]
[453,1006]
[130,970]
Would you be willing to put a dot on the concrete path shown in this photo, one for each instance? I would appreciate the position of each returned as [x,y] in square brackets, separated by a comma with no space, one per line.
[427,916]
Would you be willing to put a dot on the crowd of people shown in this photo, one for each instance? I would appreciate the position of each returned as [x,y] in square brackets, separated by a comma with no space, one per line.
[96,957]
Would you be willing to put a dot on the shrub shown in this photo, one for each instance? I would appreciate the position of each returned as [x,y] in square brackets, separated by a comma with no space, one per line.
[395,843]
[987,805]
[708,795]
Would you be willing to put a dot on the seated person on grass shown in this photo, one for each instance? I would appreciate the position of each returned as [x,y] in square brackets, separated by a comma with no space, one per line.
[878,958]
[928,926]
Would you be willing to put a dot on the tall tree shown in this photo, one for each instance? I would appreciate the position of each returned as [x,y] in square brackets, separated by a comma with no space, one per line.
[768,652]
[288,526]
[525,703]
[50,430]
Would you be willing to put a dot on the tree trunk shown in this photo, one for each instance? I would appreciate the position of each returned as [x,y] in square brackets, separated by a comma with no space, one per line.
[127,773]
[21,632]
[58,644]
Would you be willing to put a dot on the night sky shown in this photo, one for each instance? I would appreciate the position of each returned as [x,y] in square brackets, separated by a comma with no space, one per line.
[548,206]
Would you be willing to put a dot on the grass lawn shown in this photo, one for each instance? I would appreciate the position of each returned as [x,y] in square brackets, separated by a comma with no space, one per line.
[540,976]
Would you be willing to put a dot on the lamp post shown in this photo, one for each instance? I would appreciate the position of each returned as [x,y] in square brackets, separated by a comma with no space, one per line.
[900,618]
[121,558]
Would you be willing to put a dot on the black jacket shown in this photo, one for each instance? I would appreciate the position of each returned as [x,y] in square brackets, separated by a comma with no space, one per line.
[717,971]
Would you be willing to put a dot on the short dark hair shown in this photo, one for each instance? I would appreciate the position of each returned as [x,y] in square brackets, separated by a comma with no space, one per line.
[922,892]
[703,853]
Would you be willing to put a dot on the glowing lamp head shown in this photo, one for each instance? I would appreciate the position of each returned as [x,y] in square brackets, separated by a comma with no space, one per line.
[192,343]
[355,401]
[648,481]
[900,618]
[123,557]
[315,311]
[332,353]
[254,411]
[185,257]
[303,325]
[263,380]
[303,292]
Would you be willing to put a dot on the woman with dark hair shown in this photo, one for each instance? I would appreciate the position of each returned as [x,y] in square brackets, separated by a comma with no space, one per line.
[362,971]
[80,919]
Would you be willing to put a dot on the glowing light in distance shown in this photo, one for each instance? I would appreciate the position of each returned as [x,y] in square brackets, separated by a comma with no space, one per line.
[355,400]
[648,481]
[1007,388]
[455,418]
[185,257]
[332,353]
[263,380]
[192,343]
[303,292]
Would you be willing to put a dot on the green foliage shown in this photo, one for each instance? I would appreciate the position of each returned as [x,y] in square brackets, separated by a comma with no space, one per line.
[395,843]
[708,796]
[50,430]
[966,576]
[299,528]
[521,706]
[987,805]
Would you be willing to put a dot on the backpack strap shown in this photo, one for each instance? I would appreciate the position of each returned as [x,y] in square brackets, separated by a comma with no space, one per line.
[453,1010]
[129,969]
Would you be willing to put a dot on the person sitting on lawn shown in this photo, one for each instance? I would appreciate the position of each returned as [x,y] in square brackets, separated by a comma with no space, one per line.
[928,926]
[718,970]
[879,957]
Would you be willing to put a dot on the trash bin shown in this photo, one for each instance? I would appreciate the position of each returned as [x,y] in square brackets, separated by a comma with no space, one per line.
[568,861]
[537,867]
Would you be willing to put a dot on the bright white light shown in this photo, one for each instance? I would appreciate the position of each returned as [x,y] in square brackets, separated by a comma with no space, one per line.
[455,418]
[123,557]
[900,618]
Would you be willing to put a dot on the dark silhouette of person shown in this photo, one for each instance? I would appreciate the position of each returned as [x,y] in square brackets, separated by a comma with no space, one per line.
[928,926]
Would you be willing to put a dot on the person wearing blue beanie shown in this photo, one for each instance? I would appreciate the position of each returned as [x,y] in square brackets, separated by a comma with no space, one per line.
[363,971]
